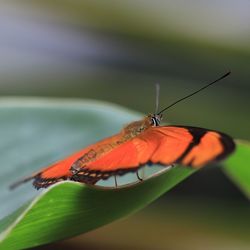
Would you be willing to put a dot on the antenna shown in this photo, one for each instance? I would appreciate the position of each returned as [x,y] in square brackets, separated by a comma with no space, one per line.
[206,86]
[157,95]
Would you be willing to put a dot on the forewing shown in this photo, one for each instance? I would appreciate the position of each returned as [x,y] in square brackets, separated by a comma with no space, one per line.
[191,146]
[128,156]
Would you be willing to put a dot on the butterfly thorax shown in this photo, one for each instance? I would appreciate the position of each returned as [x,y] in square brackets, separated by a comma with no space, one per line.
[137,127]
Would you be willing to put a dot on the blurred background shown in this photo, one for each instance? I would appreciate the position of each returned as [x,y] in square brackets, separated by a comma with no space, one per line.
[116,51]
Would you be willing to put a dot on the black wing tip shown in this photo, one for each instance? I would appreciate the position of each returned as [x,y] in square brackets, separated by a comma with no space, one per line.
[229,146]
[226,140]
[40,182]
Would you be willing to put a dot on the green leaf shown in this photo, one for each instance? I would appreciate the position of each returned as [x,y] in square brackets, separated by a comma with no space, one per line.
[68,209]
[36,132]
[237,167]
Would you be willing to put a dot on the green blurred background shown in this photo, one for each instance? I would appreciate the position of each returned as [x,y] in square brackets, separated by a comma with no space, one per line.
[116,51]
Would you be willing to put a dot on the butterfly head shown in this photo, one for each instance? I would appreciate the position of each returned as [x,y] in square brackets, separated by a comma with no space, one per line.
[155,119]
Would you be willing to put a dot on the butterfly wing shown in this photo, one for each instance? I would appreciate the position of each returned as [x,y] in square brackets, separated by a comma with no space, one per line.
[61,169]
[134,153]
[128,156]
[166,145]
[191,146]
[105,158]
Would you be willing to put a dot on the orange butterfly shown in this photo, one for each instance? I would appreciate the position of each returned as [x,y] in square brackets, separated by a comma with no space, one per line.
[139,143]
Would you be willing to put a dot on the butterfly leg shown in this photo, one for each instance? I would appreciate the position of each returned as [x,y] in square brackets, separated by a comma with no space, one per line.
[138,177]
[115,181]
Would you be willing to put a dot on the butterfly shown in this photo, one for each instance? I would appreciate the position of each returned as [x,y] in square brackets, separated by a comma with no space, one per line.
[137,144]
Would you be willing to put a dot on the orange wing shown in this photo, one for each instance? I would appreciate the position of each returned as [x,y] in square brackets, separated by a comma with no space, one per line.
[128,156]
[166,145]
[61,169]
[191,146]
[123,157]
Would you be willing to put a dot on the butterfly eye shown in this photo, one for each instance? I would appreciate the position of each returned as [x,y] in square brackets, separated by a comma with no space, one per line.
[155,121]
